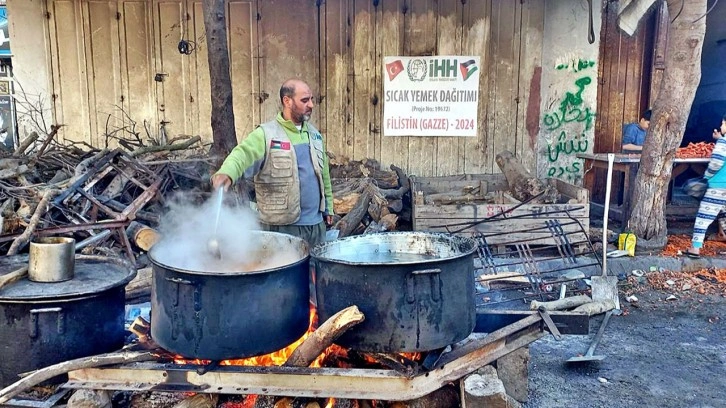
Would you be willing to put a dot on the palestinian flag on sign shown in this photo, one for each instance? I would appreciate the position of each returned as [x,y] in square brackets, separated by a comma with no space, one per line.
[467,68]
[393,69]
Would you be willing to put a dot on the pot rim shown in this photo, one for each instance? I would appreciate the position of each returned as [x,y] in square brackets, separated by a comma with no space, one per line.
[318,252]
[222,273]
[306,258]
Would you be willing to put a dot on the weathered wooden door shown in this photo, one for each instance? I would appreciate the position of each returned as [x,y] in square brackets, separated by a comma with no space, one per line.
[118,71]
[624,74]
[101,60]
[175,87]
[69,82]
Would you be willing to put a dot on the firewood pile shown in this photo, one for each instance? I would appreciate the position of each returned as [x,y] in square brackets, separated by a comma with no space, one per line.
[93,195]
[368,198]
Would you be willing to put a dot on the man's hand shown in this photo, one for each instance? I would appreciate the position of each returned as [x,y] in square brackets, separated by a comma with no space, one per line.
[328,220]
[221,180]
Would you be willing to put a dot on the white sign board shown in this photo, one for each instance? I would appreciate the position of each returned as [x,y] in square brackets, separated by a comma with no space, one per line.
[430,96]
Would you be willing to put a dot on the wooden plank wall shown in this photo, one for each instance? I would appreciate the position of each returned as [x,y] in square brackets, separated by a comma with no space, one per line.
[506,35]
[70,102]
[137,65]
[624,71]
[105,55]
[108,52]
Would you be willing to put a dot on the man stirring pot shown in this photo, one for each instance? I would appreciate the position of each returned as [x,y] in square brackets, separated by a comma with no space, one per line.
[286,159]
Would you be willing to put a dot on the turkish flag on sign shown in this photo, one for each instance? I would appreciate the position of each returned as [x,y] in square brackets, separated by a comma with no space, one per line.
[393,69]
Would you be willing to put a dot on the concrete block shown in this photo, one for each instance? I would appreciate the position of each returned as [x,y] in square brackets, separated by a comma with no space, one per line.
[513,370]
[485,391]
[90,399]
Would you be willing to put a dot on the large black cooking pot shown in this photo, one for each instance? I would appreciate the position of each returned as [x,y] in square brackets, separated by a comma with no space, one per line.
[219,315]
[415,289]
[47,323]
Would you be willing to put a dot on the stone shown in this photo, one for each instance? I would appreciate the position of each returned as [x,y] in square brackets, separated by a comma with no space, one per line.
[513,370]
[485,391]
[90,399]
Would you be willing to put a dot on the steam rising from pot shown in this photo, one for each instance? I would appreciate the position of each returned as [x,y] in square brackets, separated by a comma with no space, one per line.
[186,228]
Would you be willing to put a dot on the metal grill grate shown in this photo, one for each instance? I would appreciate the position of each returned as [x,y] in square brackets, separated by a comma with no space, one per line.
[517,269]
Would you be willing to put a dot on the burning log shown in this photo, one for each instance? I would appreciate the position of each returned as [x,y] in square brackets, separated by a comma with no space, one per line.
[316,343]
[38,376]
[324,336]
[199,401]
[343,403]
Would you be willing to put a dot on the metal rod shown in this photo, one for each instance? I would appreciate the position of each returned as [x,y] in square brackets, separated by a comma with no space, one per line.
[93,239]
[493,218]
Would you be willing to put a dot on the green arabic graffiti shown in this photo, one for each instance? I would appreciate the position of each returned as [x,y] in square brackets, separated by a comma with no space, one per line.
[570,109]
[572,171]
[576,65]
[568,147]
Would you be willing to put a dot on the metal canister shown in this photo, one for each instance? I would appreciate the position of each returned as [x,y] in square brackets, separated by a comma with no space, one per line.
[51,259]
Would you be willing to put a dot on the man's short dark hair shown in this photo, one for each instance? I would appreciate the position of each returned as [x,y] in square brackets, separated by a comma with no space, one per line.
[288,90]
[646,114]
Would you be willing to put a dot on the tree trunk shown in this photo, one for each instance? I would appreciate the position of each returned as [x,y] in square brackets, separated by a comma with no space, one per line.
[681,77]
[215,27]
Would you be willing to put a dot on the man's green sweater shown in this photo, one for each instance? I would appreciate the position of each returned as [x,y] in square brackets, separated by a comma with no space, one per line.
[249,157]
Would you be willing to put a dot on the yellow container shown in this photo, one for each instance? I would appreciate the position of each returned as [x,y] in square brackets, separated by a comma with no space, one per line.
[626,242]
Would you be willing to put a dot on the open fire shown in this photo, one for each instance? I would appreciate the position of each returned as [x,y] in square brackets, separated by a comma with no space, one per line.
[333,356]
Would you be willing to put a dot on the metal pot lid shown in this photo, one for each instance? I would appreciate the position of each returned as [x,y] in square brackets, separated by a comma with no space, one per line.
[93,274]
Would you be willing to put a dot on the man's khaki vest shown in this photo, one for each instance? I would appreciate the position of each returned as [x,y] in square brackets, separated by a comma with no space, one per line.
[277,184]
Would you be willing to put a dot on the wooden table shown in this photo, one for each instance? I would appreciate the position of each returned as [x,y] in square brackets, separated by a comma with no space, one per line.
[628,165]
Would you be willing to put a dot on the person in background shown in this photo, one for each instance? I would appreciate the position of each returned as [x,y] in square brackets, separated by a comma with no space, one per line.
[634,134]
[287,161]
[714,201]
[719,236]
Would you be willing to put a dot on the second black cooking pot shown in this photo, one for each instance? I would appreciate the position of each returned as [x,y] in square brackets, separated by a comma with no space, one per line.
[48,323]
[415,289]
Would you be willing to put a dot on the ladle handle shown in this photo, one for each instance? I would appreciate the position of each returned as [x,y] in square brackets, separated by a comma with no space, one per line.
[220,200]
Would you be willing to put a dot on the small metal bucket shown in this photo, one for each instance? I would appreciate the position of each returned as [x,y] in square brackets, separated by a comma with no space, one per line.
[51,259]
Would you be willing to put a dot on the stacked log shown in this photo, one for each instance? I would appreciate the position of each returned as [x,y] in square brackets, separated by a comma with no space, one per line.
[368,199]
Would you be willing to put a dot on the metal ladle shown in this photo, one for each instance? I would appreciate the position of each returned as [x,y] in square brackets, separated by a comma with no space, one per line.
[213,244]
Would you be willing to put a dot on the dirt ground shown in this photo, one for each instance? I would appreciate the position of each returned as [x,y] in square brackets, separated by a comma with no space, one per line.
[662,353]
